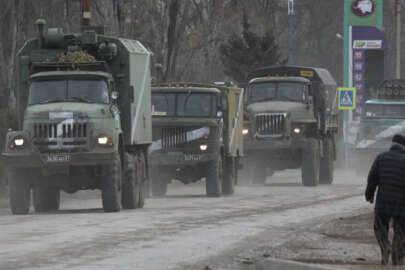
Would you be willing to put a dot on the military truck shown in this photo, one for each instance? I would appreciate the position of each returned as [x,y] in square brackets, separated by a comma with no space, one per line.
[291,122]
[84,120]
[197,133]
[382,117]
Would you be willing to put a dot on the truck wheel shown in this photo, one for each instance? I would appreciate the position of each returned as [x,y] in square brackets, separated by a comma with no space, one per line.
[110,186]
[133,190]
[19,192]
[228,183]
[310,163]
[159,184]
[45,197]
[142,180]
[327,166]
[236,170]
[213,181]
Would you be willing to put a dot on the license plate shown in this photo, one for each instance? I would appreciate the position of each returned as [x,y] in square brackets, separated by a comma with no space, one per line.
[58,157]
[192,157]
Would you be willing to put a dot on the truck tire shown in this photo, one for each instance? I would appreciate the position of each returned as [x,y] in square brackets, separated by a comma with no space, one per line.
[110,186]
[133,190]
[228,182]
[326,165]
[143,180]
[159,184]
[310,163]
[213,181]
[45,197]
[19,191]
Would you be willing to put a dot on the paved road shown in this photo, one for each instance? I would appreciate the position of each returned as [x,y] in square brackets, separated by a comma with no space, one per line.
[179,231]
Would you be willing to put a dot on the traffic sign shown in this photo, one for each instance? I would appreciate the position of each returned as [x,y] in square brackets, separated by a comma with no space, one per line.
[346,98]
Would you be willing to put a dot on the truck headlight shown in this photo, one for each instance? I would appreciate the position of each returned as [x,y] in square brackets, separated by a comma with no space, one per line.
[203,147]
[19,141]
[104,140]
[245,131]
[297,130]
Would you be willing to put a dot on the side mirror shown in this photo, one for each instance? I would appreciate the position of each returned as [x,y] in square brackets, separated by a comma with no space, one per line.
[223,105]
[114,95]
[309,103]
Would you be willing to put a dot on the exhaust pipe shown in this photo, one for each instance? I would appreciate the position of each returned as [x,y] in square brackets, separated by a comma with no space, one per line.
[40,25]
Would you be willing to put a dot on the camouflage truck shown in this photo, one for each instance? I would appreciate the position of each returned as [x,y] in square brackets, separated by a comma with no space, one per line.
[382,117]
[197,132]
[291,122]
[84,104]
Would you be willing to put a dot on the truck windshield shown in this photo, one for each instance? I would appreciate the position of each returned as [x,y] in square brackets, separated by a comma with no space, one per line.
[183,104]
[88,91]
[285,91]
[163,104]
[385,111]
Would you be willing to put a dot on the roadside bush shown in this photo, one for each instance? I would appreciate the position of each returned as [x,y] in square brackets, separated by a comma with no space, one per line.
[8,119]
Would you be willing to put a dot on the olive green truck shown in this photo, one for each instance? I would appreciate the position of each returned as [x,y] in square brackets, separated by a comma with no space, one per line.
[291,120]
[197,133]
[84,107]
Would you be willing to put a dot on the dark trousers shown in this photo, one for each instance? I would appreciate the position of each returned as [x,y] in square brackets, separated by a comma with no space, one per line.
[381,229]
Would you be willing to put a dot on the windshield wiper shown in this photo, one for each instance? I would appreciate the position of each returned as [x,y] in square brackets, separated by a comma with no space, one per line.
[81,99]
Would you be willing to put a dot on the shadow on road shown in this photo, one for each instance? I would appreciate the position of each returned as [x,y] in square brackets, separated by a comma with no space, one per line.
[72,211]
[282,184]
[185,196]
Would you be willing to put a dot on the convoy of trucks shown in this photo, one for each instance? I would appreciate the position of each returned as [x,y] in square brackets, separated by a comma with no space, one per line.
[88,119]
[83,104]
[197,132]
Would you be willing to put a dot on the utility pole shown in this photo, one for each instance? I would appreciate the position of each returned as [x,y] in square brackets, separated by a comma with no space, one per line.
[398,37]
[290,35]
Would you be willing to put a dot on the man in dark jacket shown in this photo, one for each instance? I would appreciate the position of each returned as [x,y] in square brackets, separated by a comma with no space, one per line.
[388,174]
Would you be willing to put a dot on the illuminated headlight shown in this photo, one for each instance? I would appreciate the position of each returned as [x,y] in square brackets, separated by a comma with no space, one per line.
[297,130]
[19,142]
[245,131]
[203,147]
[104,140]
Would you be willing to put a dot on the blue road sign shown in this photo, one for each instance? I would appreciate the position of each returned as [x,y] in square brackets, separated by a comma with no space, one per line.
[346,98]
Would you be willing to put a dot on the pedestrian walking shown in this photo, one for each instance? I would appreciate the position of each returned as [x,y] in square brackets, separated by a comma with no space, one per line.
[388,175]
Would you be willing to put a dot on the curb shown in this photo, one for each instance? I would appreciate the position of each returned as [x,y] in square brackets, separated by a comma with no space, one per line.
[277,264]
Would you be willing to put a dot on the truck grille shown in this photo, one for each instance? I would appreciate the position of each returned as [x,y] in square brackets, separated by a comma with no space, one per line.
[55,130]
[172,137]
[270,124]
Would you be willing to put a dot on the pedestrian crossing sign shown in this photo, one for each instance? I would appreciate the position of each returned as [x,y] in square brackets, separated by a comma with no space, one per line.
[346,98]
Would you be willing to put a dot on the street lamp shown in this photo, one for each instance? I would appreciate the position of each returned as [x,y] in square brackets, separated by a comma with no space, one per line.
[290,19]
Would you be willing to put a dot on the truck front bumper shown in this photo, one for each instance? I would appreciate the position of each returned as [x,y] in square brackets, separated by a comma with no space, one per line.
[58,159]
[274,144]
[180,159]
